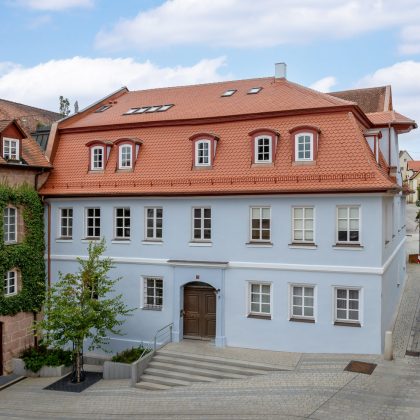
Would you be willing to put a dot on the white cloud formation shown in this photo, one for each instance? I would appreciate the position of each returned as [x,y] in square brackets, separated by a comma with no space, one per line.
[404,78]
[410,40]
[250,23]
[55,4]
[325,84]
[88,79]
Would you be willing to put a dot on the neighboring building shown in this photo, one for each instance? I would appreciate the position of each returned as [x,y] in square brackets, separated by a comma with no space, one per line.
[413,174]
[404,159]
[258,213]
[21,253]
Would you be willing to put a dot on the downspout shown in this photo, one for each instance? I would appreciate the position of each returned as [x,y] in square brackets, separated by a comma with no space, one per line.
[48,205]
[389,146]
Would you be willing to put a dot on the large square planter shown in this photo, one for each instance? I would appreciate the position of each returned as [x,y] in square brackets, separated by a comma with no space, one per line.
[45,371]
[117,370]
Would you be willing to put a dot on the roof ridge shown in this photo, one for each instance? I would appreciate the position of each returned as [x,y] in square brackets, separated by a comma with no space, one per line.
[351,90]
[28,106]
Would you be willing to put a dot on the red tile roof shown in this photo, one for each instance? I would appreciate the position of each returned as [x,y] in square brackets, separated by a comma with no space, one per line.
[390,117]
[413,165]
[31,152]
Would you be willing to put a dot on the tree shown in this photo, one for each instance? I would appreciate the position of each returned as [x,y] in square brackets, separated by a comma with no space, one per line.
[64,106]
[83,306]
[76,107]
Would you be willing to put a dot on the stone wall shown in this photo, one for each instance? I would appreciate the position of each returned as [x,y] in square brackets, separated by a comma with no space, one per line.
[17,335]
[17,177]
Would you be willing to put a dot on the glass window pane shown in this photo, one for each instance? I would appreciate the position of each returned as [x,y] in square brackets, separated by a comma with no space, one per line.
[341,304]
[342,236]
[255,307]
[354,212]
[297,291]
[354,236]
[309,301]
[266,213]
[255,213]
[298,224]
[309,291]
[342,213]
[265,288]
[298,212]
[298,235]
[265,307]
[353,294]
[309,213]
[297,300]
[354,224]
[309,235]
[297,310]
[341,314]
[265,298]
[308,312]
[354,315]
[354,304]
[207,213]
[255,287]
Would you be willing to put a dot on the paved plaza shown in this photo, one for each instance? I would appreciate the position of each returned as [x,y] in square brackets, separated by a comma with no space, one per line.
[311,387]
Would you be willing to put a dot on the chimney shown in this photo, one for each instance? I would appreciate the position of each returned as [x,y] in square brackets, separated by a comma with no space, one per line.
[280,72]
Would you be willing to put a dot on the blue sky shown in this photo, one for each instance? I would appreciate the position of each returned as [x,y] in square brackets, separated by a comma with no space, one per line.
[85,49]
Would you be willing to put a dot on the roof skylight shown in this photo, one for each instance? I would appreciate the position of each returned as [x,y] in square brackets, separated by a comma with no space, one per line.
[229,92]
[141,110]
[254,90]
[165,107]
[153,108]
[131,111]
[103,108]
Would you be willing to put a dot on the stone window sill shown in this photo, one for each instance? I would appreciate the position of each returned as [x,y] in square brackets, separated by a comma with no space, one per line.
[348,247]
[152,308]
[193,243]
[151,242]
[258,316]
[64,240]
[121,241]
[305,320]
[259,244]
[303,245]
[347,324]
[94,240]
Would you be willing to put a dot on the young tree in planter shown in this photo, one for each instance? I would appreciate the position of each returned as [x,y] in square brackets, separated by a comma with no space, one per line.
[83,306]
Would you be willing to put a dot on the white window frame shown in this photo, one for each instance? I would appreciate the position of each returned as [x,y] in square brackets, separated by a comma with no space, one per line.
[92,158]
[360,305]
[348,206]
[7,283]
[9,146]
[120,154]
[7,234]
[123,237]
[94,226]
[154,227]
[197,146]
[69,223]
[303,240]
[311,142]
[144,295]
[202,219]
[270,149]
[291,304]
[260,208]
[250,312]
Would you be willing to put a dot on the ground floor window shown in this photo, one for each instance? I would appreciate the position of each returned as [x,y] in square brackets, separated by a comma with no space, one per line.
[260,299]
[302,300]
[153,293]
[347,305]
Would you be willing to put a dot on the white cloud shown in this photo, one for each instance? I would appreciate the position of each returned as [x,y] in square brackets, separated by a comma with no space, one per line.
[404,78]
[325,84]
[88,79]
[55,4]
[410,40]
[250,23]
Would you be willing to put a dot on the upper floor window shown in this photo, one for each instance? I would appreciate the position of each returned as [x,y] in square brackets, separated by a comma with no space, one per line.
[126,156]
[10,286]
[93,222]
[348,224]
[303,224]
[10,225]
[202,224]
[304,146]
[204,149]
[154,218]
[122,223]
[305,140]
[10,149]
[260,223]
[66,223]
[202,153]
[97,158]
[264,145]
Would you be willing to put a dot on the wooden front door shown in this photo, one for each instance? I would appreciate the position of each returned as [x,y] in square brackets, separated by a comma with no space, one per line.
[199,311]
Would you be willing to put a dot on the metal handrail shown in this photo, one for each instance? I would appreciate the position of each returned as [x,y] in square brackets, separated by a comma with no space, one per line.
[160,330]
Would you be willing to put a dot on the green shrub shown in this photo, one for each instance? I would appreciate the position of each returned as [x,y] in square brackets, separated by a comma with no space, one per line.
[131,355]
[37,357]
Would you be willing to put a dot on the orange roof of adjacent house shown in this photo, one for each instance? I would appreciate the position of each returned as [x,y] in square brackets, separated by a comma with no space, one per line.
[413,165]
[344,163]
[390,117]
[31,152]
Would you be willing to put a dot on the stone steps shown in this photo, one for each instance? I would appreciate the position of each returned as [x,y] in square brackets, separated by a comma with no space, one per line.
[168,369]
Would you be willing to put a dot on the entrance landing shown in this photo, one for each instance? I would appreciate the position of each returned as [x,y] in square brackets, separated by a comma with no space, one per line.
[275,359]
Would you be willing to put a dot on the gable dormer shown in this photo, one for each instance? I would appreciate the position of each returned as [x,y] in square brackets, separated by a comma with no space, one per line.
[305,144]
[263,145]
[11,136]
[204,149]
[99,151]
[128,150]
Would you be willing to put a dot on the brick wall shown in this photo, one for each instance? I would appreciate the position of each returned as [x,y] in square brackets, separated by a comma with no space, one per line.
[17,335]
[17,177]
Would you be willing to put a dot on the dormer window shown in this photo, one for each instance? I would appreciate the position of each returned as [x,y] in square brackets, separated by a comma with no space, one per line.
[97,158]
[305,139]
[128,150]
[304,145]
[204,149]
[10,149]
[264,145]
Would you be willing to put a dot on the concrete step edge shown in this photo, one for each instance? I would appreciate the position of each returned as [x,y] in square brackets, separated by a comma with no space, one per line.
[164,381]
[151,386]
[178,375]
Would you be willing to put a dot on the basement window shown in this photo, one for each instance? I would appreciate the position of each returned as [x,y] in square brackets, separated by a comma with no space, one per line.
[254,90]
[229,92]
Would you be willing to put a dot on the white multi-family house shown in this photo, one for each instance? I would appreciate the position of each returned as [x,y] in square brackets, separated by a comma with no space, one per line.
[256,213]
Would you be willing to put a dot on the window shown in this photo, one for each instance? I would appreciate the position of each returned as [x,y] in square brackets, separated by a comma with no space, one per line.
[260,299]
[202,153]
[103,108]
[153,293]
[304,146]
[9,225]
[10,283]
[93,222]
[202,224]
[347,305]
[122,223]
[154,218]
[229,92]
[263,152]
[302,300]
[165,107]
[260,223]
[348,224]
[254,90]
[97,158]
[66,223]
[10,149]
[126,158]
[303,224]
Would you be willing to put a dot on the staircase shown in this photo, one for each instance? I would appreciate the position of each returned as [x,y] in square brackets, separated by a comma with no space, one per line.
[168,369]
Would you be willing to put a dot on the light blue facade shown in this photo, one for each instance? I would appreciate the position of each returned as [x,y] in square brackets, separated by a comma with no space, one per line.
[230,263]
